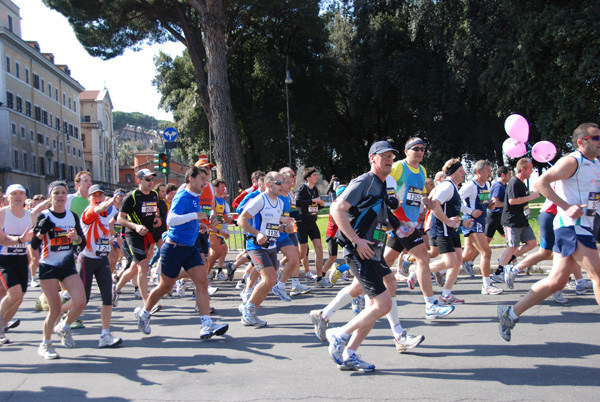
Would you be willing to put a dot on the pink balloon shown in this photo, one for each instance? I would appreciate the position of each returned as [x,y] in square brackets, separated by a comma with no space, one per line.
[543,151]
[514,148]
[516,127]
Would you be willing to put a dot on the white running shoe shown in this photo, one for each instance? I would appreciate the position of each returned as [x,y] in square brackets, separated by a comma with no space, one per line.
[490,290]
[300,289]
[46,350]
[108,341]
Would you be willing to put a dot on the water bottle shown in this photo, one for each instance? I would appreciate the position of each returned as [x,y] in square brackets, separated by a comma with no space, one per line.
[405,228]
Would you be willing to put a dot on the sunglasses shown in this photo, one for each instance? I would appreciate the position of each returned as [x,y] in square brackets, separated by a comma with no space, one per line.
[276,182]
[418,149]
[592,137]
[149,178]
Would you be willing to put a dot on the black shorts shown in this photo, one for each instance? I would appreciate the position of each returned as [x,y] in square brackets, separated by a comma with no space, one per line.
[263,258]
[447,244]
[492,224]
[369,273]
[332,245]
[405,243]
[140,245]
[14,270]
[173,257]
[95,267]
[202,243]
[57,272]
[306,230]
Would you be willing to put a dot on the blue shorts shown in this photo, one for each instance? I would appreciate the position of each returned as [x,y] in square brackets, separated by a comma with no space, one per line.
[202,243]
[286,242]
[294,238]
[546,230]
[173,257]
[566,241]
[478,226]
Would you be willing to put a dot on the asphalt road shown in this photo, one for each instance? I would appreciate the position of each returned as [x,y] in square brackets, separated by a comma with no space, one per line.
[554,354]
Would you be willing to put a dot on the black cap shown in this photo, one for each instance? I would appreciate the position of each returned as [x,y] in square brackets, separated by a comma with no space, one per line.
[381,147]
[96,188]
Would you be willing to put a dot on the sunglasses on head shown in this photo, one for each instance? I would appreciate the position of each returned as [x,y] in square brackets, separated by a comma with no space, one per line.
[276,182]
[592,137]
[149,178]
[418,149]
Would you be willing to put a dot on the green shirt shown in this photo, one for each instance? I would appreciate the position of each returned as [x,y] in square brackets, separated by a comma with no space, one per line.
[78,204]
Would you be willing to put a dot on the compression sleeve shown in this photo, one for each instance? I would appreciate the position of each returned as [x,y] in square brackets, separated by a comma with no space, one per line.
[176,220]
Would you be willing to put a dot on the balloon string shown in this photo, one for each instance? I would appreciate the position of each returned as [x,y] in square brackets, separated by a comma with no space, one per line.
[530,152]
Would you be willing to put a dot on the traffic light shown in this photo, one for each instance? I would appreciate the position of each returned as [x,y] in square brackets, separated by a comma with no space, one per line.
[157,161]
[164,163]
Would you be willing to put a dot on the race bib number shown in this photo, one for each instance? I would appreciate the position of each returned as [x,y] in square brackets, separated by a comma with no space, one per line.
[379,234]
[313,209]
[59,241]
[205,210]
[149,208]
[526,211]
[17,249]
[484,198]
[272,231]
[102,247]
[414,196]
[593,204]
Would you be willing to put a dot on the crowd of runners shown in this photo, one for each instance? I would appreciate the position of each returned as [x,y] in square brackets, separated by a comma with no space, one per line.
[166,240]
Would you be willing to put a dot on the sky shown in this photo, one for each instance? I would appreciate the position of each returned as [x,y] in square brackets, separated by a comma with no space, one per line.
[128,78]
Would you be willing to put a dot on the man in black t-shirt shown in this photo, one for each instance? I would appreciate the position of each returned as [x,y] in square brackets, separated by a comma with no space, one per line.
[308,201]
[139,215]
[515,217]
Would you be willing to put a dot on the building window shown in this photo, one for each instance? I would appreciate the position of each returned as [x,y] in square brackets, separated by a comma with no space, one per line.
[8,64]
[17,69]
[34,163]
[69,102]
[13,128]
[36,81]
[25,162]
[50,167]
[47,142]
[63,170]
[74,154]
[31,136]
[43,89]
[76,133]
[87,119]
[60,147]
[42,165]
[10,100]
[68,149]
[10,23]
[40,139]
[22,132]
[19,104]
[65,127]
[38,113]
[79,151]
[56,94]
[75,108]
[71,130]
[45,117]
[16,159]
[27,75]
[64,99]
[50,90]
[28,108]
[50,120]
[71,174]
[54,143]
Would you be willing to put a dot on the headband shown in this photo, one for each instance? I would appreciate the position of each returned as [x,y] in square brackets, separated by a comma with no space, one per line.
[55,184]
[415,142]
[453,168]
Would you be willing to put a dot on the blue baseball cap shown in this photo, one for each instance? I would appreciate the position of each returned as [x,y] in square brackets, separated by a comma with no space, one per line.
[381,147]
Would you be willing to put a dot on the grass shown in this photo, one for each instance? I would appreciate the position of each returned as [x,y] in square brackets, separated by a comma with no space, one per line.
[535,206]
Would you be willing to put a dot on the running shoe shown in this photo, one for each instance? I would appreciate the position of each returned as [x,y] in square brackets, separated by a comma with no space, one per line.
[468,267]
[345,277]
[14,323]
[498,278]
[77,324]
[336,345]
[230,271]
[34,283]
[320,323]
[506,323]
[510,272]
[218,329]
[411,281]
[137,294]
[451,299]
[437,310]
[408,341]
[358,304]
[583,288]
[323,283]
[249,317]
[108,341]
[439,279]
[406,263]
[281,293]
[246,293]
[212,290]
[155,309]
[490,290]
[335,274]
[571,285]
[559,298]
[65,336]
[309,276]
[300,289]
[46,350]
[221,276]
[354,363]
[142,322]
[3,338]
[400,276]
[116,294]
[180,288]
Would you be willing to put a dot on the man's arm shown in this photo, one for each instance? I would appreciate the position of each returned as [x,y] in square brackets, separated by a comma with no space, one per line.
[563,169]
[339,211]
[520,200]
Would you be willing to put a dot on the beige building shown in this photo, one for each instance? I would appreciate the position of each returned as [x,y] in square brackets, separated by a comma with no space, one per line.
[40,137]
[99,145]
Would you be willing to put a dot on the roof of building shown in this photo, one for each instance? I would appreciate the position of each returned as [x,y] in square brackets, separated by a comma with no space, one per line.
[89,95]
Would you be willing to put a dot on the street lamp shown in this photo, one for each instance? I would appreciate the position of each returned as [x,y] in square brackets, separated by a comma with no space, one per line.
[288,80]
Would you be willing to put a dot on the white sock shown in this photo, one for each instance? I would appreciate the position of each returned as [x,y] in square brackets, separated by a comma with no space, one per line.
[487,281]
[145,313]
[105,332]
[281,285]
[206,320]
[295,282]
[512,314]
[393,318]
[340,300]
[348,353]
[429,301]
[446,292]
